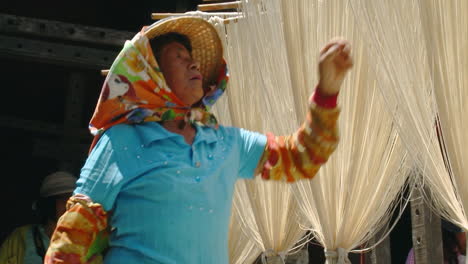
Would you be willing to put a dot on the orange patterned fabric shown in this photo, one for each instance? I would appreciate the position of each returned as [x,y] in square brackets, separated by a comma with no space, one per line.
[80,235]
[136,91]
[300,155]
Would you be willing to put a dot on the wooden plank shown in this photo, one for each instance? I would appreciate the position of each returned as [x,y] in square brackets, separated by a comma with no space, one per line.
[219,6]
[75,101]
[56,53]
[63,31]
[104,72]
[381,254]
[156,16]
[232,19]
[426,231]
[75,98]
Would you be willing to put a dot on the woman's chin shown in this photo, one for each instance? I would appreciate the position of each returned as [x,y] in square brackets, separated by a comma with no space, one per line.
[197,95]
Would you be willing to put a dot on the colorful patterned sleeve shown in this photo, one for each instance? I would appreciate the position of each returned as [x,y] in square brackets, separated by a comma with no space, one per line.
[81,235]
[300,155]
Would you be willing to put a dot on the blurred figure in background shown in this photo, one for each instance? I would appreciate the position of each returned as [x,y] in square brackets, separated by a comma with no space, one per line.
[454,242]
[27,244]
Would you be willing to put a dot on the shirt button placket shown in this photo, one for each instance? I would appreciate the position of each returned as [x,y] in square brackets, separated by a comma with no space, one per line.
[196,163]
[195,159]
[197,178]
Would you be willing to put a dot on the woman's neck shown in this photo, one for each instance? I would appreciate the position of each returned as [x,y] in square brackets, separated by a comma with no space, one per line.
[182,128]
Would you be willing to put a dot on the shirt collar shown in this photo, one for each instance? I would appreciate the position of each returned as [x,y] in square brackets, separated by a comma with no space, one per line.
[153,131]
[205,133]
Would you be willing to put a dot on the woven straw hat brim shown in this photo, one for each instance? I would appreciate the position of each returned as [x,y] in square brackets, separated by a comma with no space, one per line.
[206,44]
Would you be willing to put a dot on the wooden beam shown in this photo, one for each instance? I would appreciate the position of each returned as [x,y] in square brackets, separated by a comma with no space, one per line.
[75,99]
[73,120]
[56,53]
[63,31]
[381,254]
[232,20]
[156,16]
[426,228]
[104,72]
[219,6]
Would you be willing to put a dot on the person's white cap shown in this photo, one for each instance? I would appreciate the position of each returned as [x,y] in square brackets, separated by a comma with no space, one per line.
[57,183]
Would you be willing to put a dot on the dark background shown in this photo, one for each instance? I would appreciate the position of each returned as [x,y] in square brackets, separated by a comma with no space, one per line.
[36,98]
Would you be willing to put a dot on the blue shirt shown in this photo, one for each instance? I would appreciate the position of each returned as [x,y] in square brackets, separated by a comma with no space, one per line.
[170,201]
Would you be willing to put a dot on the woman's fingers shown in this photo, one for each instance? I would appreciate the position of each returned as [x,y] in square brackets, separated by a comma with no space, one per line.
[331,53]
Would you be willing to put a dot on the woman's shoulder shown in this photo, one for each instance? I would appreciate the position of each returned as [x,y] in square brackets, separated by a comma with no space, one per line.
[129,132]
[120,129]
[23,229]
[19,233]
[225,131]
[128,129]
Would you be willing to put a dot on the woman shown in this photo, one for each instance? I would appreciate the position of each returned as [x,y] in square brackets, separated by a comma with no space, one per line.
[28,244]
[454,243]
[162,171]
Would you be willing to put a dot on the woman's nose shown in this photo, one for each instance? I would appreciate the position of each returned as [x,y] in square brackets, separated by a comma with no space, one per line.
[195,65]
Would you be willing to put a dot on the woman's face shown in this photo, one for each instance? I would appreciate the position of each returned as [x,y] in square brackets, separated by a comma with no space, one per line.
[182,73]
[61,204]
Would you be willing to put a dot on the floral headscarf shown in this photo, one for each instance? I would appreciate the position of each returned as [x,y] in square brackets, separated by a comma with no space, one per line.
[135,91]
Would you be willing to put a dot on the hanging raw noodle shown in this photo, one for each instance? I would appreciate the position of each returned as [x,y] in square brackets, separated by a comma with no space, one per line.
[446,35]
[356,192]
[262,86]
[278,229]
[425,56]
[241,249]
[271,77]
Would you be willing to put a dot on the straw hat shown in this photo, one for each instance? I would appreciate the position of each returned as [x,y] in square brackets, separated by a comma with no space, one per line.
[206,44]
[60,182]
